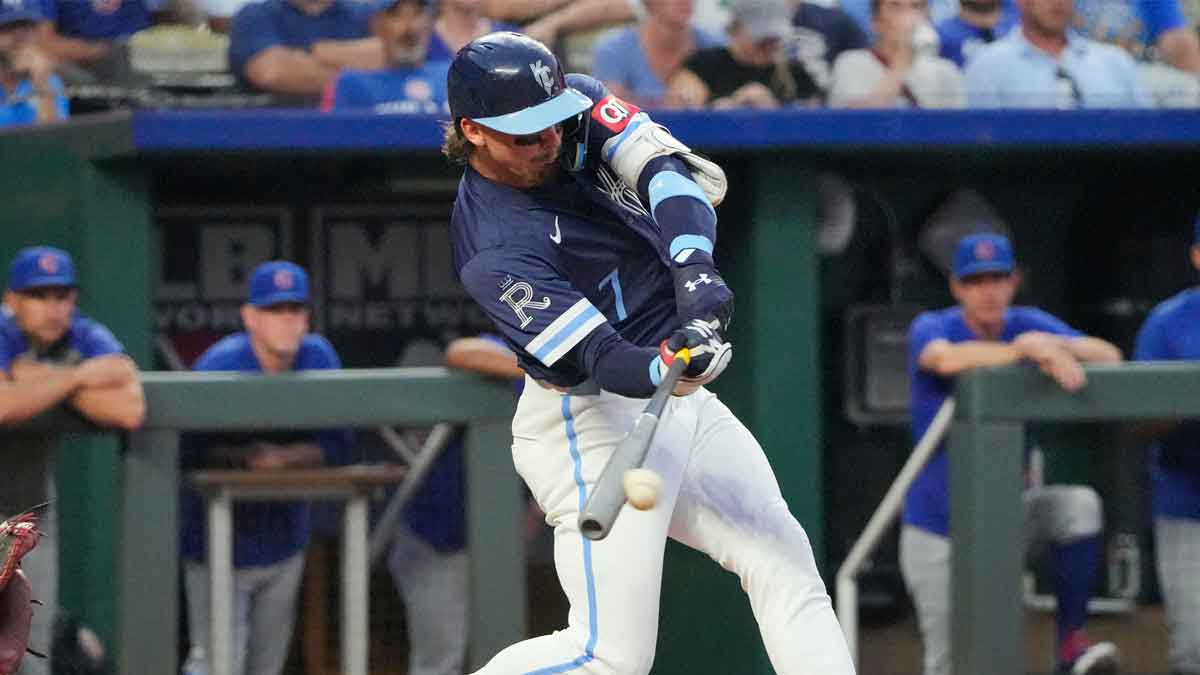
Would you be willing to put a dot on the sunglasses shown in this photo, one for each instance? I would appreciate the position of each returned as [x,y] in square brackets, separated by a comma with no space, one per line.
[532,139]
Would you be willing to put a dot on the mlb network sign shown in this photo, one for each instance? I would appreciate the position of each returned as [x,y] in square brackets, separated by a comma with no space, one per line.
[382,277]
[206,255]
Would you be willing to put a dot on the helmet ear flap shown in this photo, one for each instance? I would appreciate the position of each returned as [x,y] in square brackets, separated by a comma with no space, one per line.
[575,140]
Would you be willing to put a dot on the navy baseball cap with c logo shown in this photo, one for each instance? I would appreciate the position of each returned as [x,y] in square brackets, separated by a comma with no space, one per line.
[983,253]
[277,282]
[39,266]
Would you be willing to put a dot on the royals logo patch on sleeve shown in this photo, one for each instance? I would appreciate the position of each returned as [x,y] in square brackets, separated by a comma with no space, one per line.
[614,113]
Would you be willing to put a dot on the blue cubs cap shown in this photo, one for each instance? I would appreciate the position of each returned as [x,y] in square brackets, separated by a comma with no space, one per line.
[277,282]
[39,266]
[982,253]
[18,12]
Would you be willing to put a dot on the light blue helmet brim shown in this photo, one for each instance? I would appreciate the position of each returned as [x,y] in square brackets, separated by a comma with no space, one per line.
[541,116]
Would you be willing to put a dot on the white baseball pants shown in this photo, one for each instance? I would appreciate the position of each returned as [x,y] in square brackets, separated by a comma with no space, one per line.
[719,496]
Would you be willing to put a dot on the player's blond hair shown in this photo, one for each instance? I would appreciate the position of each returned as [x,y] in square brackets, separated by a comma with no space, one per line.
[455,145]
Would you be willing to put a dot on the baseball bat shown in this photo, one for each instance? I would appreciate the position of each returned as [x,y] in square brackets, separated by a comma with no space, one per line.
[608,495]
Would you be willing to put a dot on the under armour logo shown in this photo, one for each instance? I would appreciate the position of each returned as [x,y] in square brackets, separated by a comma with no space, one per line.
[541,73]
[702,279]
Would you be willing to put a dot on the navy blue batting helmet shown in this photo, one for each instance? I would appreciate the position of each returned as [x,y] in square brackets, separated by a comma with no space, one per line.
[513,84]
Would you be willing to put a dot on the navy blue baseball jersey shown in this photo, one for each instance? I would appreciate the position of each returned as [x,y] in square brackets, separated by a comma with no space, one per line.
[928,504]
[84,339]
[1170,334]
[576,261]
[263,532]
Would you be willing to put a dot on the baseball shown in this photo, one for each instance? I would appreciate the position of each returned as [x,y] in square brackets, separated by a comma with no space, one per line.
[641,488]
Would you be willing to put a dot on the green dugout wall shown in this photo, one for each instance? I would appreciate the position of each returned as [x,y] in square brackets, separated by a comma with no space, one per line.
[94,187]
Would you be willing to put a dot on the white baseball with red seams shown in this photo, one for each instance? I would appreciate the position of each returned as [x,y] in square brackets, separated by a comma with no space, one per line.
[641,488]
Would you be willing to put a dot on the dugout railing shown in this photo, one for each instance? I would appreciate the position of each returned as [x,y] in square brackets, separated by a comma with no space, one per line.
[148,548]
[987,416]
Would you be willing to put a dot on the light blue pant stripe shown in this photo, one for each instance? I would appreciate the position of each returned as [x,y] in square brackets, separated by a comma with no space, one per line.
[593,635]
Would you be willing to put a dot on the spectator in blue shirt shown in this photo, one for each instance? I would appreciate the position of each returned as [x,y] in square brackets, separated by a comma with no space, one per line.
[30,92]
[269,538]
[297,47]
[89,34]
[1172,333]
[636,62]
[409,84]
[978,23]
[1043,64]
[51,355]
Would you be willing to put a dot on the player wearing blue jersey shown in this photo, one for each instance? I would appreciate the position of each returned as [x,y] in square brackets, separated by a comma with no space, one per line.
[1172,333]
[269,538]
[586,231]
[984,329]
[52,355]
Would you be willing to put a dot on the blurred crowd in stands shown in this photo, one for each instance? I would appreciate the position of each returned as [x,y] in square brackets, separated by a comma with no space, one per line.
[60,57]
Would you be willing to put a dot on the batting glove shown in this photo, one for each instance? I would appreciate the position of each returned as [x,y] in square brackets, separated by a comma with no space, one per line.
[710,353]
[700,292]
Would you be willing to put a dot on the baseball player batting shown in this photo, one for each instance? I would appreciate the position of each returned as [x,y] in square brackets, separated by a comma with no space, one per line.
[586,232]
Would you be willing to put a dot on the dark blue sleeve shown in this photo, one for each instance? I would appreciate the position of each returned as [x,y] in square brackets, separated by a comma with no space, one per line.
[49,10]
[1032,318]
[251,32]
[1152,343]
[1160,16]
[96,340]
[619,366]
[852,36]
[680,207]
[10,343]
[537,309]
[684,215]
[924,329]
[531,302]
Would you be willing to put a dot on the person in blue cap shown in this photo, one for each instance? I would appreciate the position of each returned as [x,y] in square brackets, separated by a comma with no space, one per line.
[269,538]
[30,92]
[1172,333]
[52,355]
[1065,521]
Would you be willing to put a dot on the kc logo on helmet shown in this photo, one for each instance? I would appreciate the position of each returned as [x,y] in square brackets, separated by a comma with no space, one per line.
[614,113]
[541,73]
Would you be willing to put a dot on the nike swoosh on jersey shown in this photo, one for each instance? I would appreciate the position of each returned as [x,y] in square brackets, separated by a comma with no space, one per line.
[557,236]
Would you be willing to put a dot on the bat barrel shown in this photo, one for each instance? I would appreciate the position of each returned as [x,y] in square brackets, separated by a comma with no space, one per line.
[608,494]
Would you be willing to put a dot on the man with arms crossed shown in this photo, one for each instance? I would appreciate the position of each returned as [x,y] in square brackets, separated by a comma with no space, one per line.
[595,276]
[984,329]
[50,354]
